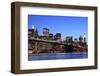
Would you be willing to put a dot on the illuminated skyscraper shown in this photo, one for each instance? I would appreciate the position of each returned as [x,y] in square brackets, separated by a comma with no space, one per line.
[31,33]
[69,40]
[75,40]
[84,38]
[80,39]
[57,37]
[36,33]
[51,36]
[45,32]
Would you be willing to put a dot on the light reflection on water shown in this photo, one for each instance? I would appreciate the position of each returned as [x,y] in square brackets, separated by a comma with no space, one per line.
[53,56]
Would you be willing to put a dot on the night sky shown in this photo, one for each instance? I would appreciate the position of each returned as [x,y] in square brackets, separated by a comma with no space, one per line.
[66,25]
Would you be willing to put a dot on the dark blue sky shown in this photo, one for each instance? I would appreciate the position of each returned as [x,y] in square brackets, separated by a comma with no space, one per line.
[66,25]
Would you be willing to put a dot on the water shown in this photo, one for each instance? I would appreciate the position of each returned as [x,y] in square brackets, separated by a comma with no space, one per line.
[53,56]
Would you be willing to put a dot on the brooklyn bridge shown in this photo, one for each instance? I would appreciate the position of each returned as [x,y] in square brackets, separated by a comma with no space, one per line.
[49,46]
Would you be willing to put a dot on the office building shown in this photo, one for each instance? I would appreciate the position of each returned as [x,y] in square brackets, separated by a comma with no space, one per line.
[69,40]
[80,39]
[57,37]
[51,36]
[84,38]
[45,32]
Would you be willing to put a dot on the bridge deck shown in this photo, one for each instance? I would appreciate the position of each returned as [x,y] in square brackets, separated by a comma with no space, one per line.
[48,41]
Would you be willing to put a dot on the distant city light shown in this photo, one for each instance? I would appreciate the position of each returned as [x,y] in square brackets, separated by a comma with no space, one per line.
[84,35]
[33,27]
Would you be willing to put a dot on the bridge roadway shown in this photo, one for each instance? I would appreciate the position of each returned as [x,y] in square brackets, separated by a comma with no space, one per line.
[48,41]
[54,42]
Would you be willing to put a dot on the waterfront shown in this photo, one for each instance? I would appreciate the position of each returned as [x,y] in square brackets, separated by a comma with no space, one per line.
[48,40]
[53,56]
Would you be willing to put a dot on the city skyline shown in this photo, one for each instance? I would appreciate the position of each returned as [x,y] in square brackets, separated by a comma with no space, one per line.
[67,25]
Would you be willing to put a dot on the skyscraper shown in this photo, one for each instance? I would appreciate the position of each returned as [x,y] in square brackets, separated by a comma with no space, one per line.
[31,33]
[80,39]
[57,37]
[45,32]
[36,33]
[51,36]
[84,38]
[69,40]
